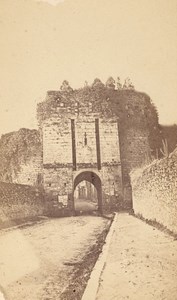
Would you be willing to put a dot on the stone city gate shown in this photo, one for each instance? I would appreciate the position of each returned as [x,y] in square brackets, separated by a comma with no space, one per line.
[79,147]
[93,129]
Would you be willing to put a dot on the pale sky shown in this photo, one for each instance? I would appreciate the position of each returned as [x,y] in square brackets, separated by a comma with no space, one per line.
[42,44]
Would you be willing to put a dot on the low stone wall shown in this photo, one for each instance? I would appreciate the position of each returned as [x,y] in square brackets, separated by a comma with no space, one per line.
[154,191]
[19,202]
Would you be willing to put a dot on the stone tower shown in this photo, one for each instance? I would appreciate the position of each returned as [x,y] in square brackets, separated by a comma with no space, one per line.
[79,144]
[95,134]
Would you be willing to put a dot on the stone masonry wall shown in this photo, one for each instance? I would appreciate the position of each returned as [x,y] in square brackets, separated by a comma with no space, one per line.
[109,142]
[19,202]
[57,141]
[30,172]
[135,150]
[85,128]
[155,192]
[125,145]
[57,153]
[21,157]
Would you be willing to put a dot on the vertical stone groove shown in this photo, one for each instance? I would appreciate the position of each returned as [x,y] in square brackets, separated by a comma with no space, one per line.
[73,144]
[97,134]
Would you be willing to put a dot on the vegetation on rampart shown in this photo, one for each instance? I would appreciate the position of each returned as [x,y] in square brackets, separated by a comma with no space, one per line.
[16,148]
[134,109]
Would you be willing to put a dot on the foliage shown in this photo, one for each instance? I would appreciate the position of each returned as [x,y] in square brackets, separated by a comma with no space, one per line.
[17,148]
[132,108]
[128,84]
[97,84]
[65,87]
[110,83]
[119,85]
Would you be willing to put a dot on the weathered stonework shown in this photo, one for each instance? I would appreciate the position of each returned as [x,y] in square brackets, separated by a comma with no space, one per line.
[134,150]
[21,157]
[96,131]
[19,202]
[155,192]
[62,162]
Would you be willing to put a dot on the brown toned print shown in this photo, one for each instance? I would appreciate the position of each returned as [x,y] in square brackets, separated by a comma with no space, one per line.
[88,149]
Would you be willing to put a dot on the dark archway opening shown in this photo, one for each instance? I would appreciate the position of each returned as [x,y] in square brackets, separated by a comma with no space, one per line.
[87,192]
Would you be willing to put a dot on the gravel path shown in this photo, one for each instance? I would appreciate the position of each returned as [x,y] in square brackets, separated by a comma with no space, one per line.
[37,262]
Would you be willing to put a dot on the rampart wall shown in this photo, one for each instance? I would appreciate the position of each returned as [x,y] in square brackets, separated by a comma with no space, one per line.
[154,191]
[21,157]
[19,202]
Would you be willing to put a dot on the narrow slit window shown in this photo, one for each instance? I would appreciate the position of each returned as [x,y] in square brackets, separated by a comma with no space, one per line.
[85,139]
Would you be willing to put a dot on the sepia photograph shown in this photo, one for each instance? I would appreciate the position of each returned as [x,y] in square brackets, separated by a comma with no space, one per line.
[88,150]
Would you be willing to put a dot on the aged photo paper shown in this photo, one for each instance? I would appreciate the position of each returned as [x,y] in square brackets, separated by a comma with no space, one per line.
[88,149]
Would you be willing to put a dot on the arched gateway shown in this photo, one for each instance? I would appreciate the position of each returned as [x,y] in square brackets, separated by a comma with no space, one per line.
[94,179]
[79,144]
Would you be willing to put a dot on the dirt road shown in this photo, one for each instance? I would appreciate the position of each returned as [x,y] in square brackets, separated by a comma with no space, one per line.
[85,205]
[38,262]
